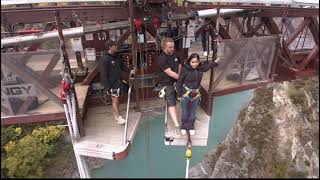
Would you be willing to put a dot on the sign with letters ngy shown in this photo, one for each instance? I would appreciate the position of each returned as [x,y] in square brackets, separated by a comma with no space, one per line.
[17,90]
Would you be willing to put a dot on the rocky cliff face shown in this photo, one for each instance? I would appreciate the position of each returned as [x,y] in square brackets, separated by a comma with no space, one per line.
[277,135]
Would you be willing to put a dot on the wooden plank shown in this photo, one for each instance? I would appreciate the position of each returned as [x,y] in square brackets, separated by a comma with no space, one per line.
[24,74]
[103,135]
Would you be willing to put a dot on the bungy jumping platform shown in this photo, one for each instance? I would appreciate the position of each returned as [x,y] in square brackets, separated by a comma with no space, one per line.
[201,126]
[104,138]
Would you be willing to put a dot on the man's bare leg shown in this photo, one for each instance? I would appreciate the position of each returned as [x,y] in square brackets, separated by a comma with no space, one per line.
[174,115]
[115,105]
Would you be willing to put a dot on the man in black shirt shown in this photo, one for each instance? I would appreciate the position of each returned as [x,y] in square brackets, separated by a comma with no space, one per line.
[111,66]
[170,66]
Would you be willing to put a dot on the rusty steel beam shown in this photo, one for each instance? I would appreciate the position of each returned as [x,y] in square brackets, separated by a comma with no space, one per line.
[314,28]
[34,118]
[123,37]
[133,35]
[84,13]
[266,11]
[67,69]
[298,30]
[241,88]
[312,55]
[208,103]
[222,31]
[91,75]
[273,29]
[275,60]
[110,13]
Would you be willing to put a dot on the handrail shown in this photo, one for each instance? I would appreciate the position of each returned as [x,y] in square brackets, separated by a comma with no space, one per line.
[127,115]
[131,79]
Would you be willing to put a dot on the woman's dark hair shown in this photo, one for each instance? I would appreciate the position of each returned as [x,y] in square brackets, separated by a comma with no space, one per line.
[109,43]
[193,55]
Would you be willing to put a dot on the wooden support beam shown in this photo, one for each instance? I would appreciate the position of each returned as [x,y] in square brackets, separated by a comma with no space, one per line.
[313,54]
[298,30]
[28,77]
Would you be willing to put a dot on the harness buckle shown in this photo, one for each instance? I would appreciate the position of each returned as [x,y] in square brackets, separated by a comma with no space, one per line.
[162,92]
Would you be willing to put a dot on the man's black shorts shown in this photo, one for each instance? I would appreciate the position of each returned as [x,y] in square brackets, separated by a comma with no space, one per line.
[171,96]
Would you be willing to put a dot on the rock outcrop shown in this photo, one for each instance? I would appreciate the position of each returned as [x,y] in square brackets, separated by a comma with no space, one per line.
[276,135]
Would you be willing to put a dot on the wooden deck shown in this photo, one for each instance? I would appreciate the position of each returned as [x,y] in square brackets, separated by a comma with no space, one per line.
[103,136]
[201,127]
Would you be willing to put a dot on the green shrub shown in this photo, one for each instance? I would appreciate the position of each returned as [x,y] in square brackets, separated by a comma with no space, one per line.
[8,134]
[29,156]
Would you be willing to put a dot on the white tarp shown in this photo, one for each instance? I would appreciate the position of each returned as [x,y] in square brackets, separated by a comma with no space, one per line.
[13,2]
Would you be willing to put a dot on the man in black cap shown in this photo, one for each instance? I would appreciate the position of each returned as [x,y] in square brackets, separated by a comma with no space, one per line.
[111,66]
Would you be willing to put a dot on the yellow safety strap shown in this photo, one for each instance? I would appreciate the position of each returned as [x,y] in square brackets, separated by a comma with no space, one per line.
[186,94]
